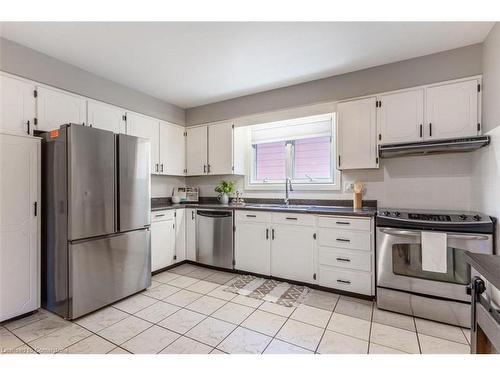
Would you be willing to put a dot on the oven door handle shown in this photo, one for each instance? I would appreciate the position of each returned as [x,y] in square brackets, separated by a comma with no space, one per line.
[400,232]
[414,233]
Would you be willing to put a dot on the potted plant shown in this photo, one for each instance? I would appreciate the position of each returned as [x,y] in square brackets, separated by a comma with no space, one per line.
[224,189]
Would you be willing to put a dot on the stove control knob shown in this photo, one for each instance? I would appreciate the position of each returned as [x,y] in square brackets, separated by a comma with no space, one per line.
[396,213]
[462,217]
[387,213]
[477,217]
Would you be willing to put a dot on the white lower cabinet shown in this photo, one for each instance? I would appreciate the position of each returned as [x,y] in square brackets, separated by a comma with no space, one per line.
[292,252]
[252,246]
[162,239]
[345,256]
[190,234]
[180,235]
[19,225]
[334,252]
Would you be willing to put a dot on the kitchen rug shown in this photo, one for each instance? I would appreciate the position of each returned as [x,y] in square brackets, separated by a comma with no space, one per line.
[279,292]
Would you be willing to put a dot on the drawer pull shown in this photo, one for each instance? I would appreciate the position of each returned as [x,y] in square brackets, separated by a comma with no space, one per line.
[267,233]
[159,215]
[343,281]
[342,240]
[291,218]
[343,260]
[251,215]
[342,223]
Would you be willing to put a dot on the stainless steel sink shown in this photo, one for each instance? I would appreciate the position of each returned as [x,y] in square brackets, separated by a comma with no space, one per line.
[273,205]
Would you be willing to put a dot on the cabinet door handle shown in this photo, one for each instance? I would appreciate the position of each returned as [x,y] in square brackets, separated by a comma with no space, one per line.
[208,168]
[291,218]
[343,260]
[267,233]
[343,281]
[430,129]
[342,223]
[421,131]
[162,167]
[342,240]
[204,168]
[28,125]
[272,234]
[192,215]
[156,167]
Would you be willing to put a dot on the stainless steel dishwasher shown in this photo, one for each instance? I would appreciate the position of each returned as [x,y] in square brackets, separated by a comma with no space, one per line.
[214,238]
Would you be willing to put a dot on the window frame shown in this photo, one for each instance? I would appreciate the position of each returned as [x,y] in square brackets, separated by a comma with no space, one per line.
[298,184]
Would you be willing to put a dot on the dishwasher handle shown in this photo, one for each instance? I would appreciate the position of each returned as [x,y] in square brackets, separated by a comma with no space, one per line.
[215,214]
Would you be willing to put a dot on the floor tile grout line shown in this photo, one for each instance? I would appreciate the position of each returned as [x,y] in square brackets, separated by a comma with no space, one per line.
[416,333]
[323,335]
[370,331]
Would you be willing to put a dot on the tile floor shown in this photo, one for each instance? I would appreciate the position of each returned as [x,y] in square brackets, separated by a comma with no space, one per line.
[186,310]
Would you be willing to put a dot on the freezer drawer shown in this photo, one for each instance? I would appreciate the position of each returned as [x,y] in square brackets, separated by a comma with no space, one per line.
[214,238]
[105,270]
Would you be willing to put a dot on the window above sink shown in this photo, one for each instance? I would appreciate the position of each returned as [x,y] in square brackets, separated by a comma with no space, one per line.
[302,149]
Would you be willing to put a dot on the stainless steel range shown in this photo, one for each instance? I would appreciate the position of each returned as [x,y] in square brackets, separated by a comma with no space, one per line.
[405,285]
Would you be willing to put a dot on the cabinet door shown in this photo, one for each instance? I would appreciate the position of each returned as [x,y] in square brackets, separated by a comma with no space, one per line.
[220,148]
[162,244]
[252,248]
[17,105]
[19,226]
[146,127]
[196,151]
[105,116]
[357,134]
[180,235]
[56,108]
[190,234]
[172,149]
[292,250]
[452,110]
[400,117]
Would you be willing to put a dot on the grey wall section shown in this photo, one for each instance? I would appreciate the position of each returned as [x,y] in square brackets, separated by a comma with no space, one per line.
[31,64]
[457,63]
[491,80]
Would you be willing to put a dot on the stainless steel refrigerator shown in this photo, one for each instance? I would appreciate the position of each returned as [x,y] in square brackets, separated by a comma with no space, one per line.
[96,216]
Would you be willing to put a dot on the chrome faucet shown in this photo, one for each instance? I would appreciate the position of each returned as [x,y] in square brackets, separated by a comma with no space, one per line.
[288,189]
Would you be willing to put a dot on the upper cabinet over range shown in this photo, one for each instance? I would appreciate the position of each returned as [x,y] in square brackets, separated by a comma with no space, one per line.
[211,150]
[438,111]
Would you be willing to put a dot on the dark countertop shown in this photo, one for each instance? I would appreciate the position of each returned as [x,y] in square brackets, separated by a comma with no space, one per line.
[487,265]
[323,210]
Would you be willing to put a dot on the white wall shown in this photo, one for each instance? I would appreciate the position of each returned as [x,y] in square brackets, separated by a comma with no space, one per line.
[434,182]
[162,186]
[485,195]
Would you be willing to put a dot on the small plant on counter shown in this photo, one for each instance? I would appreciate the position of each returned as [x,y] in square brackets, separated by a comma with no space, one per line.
[224,189]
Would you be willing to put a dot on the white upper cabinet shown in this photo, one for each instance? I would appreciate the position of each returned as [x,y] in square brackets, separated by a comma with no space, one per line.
[17,105]
[172,149]
[56,108]
[104,116]
[220,148]
[197,150]
[400,117]
[146,127]
[357,134]
[452,110]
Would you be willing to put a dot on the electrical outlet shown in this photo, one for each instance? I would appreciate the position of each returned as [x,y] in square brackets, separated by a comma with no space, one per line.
[348,187]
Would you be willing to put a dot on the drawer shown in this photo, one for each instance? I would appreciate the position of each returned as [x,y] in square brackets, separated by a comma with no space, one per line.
[162,215]
[350,281]
[345,239]
[291,218]
[348,259]
[253,216]
[340,222]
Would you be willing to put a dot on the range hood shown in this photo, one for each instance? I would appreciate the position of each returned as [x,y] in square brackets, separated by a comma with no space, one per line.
[442,146]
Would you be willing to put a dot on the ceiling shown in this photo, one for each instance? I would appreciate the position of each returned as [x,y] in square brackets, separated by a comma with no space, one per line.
[196,63]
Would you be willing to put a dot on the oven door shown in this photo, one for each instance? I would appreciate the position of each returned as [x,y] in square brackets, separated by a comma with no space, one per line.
[399,263]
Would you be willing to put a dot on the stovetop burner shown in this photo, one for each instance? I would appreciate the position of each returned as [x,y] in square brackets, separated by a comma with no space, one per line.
[435,220]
